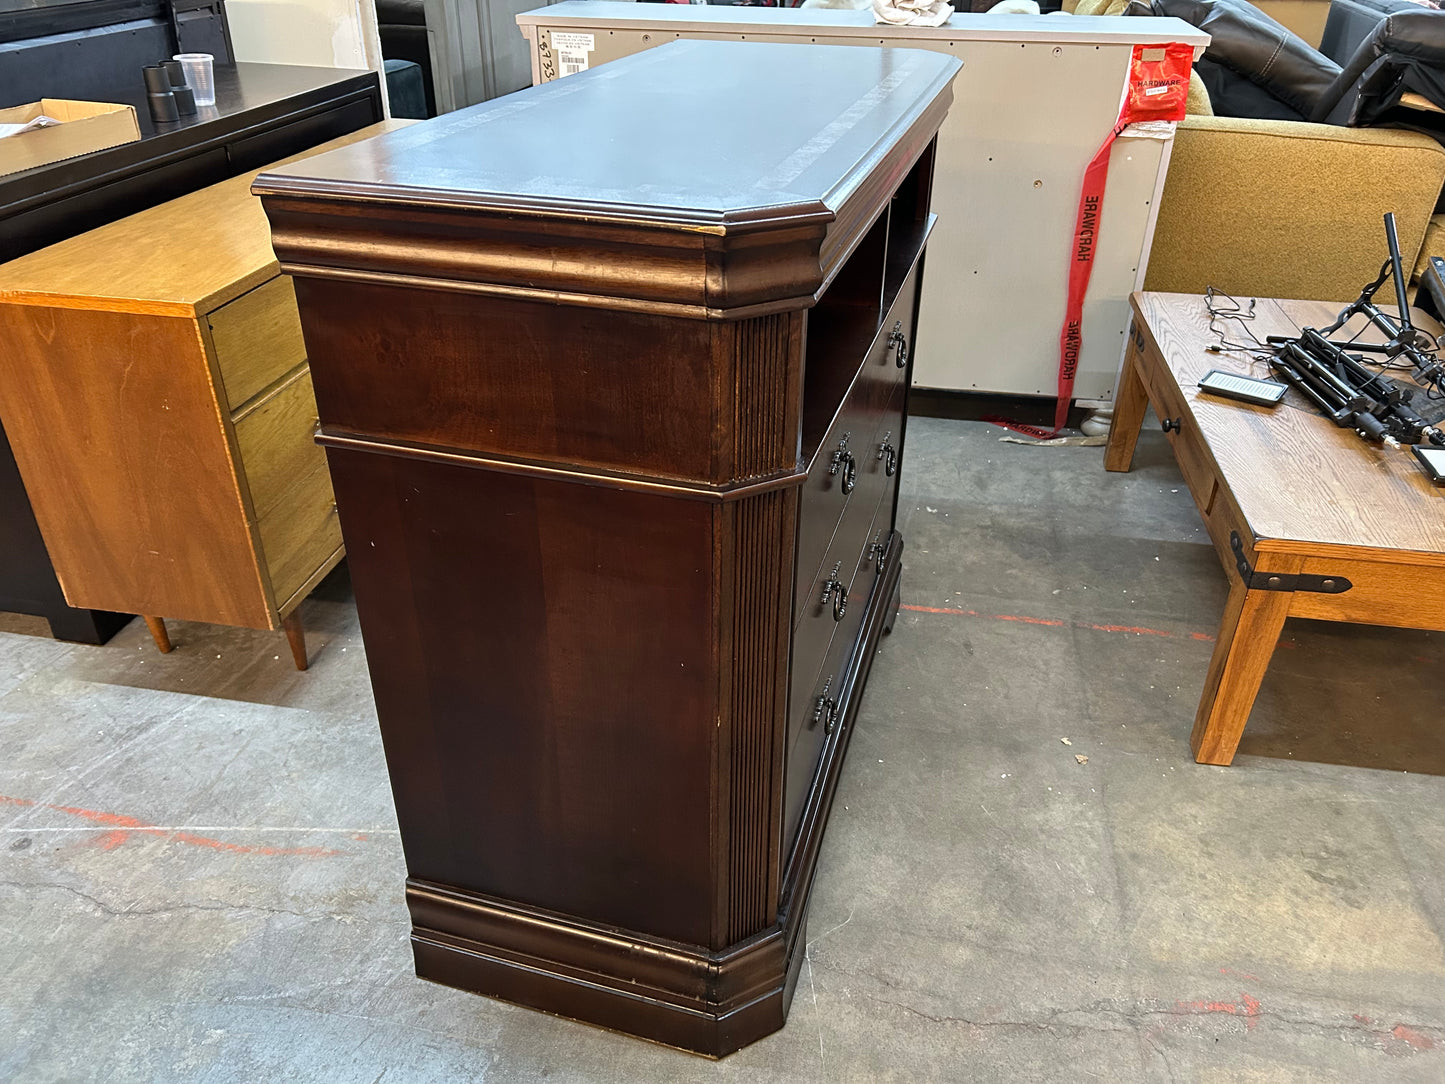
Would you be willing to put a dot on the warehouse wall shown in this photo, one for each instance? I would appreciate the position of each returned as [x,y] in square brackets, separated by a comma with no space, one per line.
[329,33]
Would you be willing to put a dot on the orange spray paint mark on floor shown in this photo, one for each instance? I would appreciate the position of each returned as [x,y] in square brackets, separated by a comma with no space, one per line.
[1413,1037]
[1247,1007]
[1027,620]
[123,827]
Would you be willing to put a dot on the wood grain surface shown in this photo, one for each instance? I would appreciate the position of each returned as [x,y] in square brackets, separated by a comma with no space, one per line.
[118,396]
[530,197]
[1296,477]
[568,395]
[257,339]
[299,534]
[537,685]
[180,258]
[276,439]
[117,429]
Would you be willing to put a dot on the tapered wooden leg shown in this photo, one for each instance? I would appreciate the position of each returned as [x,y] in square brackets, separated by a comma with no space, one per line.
[1247,635]
[296,636]
[1130,402]
[157,625]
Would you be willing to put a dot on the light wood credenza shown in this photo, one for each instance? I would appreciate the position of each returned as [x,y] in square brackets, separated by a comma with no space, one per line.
[158,399]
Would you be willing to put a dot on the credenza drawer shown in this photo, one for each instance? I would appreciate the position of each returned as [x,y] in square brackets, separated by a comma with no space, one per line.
[874,460]
[896,332]
[277,442]
[832,480]
[885,367]
[815,697]
[257,338]
[862,444]
[840,592]
[300,533]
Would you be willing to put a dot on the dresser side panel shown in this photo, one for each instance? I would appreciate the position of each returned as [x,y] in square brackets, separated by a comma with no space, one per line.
[117,429]
[542,657]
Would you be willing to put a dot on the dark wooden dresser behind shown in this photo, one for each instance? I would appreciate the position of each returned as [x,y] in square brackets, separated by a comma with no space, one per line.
[613,388]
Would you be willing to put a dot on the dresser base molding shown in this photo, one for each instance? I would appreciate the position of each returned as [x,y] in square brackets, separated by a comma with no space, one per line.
[680,995]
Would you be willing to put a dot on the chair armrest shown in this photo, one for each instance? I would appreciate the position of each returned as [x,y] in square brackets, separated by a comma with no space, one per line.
[1271,208]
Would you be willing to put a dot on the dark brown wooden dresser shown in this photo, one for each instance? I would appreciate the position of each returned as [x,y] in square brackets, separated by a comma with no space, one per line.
[613,388]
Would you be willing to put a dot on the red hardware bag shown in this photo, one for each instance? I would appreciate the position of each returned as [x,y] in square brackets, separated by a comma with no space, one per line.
[1158,83]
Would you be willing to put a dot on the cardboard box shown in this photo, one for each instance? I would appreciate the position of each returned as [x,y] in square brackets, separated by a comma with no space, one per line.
[85,127]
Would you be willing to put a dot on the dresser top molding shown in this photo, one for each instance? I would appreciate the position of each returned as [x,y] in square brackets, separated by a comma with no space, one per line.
[185,257]
[961,26]
[626,186]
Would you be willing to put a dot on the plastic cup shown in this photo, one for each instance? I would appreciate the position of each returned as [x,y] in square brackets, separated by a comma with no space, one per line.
[200,75]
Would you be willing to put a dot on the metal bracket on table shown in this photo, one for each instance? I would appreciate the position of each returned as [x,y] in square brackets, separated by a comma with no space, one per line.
[1282,581]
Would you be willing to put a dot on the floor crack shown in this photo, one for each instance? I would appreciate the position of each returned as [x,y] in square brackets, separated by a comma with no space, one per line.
[1419,1037]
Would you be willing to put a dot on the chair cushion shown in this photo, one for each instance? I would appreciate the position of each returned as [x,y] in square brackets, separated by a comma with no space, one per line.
[1350,22]
[405,91]
[1254,66]
[1405,53]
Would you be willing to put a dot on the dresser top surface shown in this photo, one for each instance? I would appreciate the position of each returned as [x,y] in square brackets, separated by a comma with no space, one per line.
[690,133]
[185,256]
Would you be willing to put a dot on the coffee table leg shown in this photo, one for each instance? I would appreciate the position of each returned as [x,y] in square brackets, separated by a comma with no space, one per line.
[1247,635]
[1130,402]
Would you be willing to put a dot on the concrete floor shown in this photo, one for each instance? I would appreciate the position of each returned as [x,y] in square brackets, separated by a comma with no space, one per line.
[200,876]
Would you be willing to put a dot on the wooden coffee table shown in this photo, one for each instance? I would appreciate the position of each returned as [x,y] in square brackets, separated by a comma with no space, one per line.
[1308,519]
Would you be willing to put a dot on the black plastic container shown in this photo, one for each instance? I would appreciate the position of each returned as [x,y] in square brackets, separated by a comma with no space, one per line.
[158,94]
[185,97]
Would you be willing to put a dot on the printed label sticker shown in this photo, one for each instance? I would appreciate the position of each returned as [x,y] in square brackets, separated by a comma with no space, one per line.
[572,50]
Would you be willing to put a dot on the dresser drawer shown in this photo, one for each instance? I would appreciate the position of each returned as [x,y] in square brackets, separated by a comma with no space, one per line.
[831,482]
[277,441]
[874,461]
[815,696]
[887,363]
[851,561]
[257,339]
[300,533]
[837,479]
[870,417]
